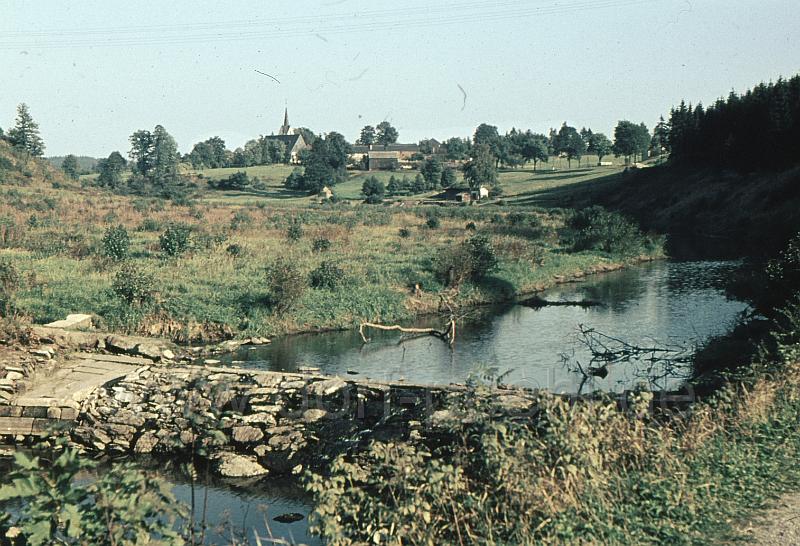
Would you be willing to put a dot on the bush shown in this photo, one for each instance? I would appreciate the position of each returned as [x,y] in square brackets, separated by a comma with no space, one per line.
[321,245]
[237,181]
[404,233]
[295,231]
[234,250]
[595,228]
[373,190]
[176,239]
[286,284]
[133,286]
[240,219]
[327,275]
[433,222]
[10,281]
[471,260]
[470,226]
[116,243]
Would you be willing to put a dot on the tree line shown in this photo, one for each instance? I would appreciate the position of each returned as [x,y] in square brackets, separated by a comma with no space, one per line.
[759,129]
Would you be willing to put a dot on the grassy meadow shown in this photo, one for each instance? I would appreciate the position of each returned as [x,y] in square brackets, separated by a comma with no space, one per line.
[53,233]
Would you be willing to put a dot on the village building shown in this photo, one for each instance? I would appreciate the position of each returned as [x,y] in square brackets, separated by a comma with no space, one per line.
[383,161]
[292,139]
[383,157]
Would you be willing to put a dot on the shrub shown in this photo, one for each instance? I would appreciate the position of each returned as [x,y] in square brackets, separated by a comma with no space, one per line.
[176,239]
[116,243]
[595,228]
[321,245]
[234,250]
[133,286]
[286,284]
[471,260]
[404,233]
[373,190]
[295,231]
[515,218]
[10,281]
[241,219]
[327,275]
[470,226]
[237,181]
[433,222]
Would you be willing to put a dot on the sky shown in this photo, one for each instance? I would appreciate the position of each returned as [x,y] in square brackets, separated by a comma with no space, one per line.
[94,72]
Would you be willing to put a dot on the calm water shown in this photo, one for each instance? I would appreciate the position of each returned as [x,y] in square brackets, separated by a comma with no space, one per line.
[678,303]
[664,303]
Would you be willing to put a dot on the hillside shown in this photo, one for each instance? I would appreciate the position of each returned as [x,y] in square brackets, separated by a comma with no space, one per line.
[19,169]
[721,213]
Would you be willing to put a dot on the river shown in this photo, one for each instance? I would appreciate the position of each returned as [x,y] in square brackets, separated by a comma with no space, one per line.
[663,304]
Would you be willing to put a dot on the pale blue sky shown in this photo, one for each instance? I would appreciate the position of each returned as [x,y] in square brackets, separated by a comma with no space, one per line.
[93,72]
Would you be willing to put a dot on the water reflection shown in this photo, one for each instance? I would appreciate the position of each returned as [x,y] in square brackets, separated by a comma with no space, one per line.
[666,302]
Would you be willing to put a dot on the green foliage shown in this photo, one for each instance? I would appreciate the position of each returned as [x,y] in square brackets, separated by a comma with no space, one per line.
[367,136]
[111,170]
[570,473]
[238,181]
[133,285]
[25,133]
[373,190]
[234,250]
[385,133]
[481,170]
[53,504]
[116,243]
[404,233]
[470,226]
[326,275]
[10,282]
[295,230]
[70,166]
[431,172]
[631,140]
[471,260]
[321,244]
[175,240]
[433,222]
[595,228]
[569,142]
[286,284]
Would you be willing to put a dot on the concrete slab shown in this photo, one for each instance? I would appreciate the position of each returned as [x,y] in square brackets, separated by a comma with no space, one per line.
[72,321]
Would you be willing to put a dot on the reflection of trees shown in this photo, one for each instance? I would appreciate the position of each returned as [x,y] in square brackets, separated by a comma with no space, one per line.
[617,290]
[656,364]
[690,277]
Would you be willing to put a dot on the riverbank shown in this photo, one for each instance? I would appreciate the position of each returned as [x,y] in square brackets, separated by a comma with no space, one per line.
[342,264]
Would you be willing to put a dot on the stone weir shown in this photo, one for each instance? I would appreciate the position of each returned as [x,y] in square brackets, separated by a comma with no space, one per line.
[251,422]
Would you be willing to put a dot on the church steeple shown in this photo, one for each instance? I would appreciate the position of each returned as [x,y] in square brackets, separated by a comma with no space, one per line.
[285,127]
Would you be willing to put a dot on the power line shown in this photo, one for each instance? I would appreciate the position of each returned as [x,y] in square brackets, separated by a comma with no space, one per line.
[232,31]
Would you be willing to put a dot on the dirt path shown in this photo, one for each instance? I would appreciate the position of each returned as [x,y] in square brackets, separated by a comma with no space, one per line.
[779,525]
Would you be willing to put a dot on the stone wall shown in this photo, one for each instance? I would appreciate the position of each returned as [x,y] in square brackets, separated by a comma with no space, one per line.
[252,422]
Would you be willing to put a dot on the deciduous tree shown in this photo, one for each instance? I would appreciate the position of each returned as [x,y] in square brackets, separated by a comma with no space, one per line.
[386,134]
[367,136]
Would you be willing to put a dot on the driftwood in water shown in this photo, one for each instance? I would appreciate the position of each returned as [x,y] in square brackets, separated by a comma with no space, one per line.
[448,333]
[537,303]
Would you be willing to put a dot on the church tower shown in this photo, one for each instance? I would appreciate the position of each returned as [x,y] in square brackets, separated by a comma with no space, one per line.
[285,127]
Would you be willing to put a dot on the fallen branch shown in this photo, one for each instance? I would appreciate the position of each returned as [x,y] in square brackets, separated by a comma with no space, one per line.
[448,334]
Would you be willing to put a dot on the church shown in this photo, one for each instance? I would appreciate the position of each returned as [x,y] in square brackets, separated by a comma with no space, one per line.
[292,139]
